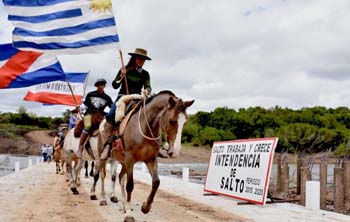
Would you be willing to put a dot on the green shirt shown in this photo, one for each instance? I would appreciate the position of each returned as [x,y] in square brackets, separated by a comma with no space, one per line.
[136,81]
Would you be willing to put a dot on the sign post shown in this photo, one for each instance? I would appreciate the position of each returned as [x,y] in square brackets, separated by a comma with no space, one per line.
[241,169]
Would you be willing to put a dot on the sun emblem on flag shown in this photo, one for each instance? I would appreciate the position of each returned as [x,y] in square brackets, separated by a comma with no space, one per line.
[101,5]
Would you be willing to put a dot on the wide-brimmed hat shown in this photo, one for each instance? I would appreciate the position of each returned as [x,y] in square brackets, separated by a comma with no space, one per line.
[100,82]
[140,52]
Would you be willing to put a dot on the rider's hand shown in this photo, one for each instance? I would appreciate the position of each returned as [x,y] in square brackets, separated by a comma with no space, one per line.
[122,72]
[145,92]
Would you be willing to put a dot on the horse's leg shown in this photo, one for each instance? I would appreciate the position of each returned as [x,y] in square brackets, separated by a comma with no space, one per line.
[122,183]
[102,170]
[70,176]
[57,167]
[86,165]
[114,166]
[129,164]
[77,169]
[153,170]
[92,169]
[96,177]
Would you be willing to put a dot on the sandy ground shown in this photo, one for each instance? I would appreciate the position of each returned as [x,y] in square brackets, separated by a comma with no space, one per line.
[37,194]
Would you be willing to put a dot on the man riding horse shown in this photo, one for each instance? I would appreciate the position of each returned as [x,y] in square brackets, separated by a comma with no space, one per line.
[96,101]
[132,79]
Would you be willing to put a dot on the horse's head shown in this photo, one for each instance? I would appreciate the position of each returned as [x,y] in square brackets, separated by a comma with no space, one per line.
[174,120]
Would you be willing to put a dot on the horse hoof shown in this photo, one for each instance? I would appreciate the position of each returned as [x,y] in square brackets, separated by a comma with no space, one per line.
[75,191]
[129,219]
[114,199]
[171,154]
[103,203]
[93,197]
[145,208]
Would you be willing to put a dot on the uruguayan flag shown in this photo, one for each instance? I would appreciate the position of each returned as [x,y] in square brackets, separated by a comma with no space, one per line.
[61,26]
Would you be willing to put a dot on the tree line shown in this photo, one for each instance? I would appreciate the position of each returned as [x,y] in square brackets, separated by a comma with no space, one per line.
[23,118]
[315,129]
[312,130]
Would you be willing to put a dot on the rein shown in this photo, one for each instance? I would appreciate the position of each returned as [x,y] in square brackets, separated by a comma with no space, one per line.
[153,138]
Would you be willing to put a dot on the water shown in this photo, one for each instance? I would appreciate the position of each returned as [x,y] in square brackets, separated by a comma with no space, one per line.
[7,163]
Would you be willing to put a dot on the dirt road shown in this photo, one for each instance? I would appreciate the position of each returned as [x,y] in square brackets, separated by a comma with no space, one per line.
[37,194]
[39,136]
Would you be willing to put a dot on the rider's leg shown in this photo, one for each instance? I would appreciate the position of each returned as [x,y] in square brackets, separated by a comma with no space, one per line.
[108,132]
[84,135]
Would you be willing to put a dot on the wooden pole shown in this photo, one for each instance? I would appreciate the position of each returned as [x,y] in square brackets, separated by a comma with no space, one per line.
[323,185]
[305,176]
[123,66]
[299,165]
[285,178]
[339,190]
[279,181]
[347,181]
[75,100]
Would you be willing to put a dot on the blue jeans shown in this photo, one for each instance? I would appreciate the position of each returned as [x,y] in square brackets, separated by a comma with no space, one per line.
[111,114]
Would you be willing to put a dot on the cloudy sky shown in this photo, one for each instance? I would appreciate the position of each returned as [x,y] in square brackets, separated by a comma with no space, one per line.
[290,53]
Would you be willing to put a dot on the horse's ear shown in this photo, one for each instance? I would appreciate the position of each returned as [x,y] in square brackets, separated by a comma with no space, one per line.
[172,102]
[188,103]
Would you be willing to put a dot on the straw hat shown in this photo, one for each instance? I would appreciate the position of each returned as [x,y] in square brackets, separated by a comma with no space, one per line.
[140,52]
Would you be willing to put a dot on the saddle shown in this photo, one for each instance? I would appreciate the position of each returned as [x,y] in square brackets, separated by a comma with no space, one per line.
[96,119]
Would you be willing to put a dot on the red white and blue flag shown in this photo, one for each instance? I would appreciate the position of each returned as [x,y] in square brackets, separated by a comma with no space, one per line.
[59,92]
[61,26]
[25,68]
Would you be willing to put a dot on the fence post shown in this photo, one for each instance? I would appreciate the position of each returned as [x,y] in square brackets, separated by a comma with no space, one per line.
[279,181]
[284,178]
[339,190]
[17,167]
[299,165]
[347,181]
[312,195]
[185,174]
[323,184]
[305,176]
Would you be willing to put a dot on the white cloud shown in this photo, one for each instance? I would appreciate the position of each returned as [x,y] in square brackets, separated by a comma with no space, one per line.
[228,53]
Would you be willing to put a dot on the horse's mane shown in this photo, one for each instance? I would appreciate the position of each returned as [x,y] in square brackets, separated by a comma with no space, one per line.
[160,93]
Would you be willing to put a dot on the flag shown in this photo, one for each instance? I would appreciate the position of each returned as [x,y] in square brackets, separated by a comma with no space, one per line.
[58,92]
[61,26]
[25,68]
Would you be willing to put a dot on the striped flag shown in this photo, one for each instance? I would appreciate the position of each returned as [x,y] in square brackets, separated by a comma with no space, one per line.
[58,92]
[24,68]
[61,26]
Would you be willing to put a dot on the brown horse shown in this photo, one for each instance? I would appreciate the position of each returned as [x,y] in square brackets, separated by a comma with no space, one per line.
[142,138]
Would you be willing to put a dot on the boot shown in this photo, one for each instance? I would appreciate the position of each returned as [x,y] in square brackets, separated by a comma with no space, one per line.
[108,136]
[83,138]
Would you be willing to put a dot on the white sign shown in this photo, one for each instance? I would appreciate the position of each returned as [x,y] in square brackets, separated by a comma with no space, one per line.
[241,169]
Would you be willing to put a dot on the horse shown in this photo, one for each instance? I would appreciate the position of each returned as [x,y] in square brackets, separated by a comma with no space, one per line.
[71,146]
[163,112]
[86,166]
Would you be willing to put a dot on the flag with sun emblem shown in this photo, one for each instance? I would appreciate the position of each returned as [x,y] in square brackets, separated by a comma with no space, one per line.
[62,26]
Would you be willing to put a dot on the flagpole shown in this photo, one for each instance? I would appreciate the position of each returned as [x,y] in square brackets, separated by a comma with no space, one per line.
[75,100]
[123,67]
[85,83]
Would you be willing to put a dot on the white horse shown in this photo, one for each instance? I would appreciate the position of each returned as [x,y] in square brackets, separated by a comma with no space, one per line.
[71,146]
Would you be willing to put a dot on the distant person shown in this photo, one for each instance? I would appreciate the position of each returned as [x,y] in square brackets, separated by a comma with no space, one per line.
[74,118]
[44,152]
[49,153]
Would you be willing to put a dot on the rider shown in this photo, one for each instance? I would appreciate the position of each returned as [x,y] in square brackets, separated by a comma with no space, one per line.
[95,101]
[138,80]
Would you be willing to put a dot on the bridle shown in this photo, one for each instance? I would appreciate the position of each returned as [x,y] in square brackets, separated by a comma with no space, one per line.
[163,112]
